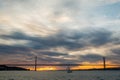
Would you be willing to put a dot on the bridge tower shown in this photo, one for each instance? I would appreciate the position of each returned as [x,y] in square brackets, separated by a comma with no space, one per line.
[104,63]
[35,63]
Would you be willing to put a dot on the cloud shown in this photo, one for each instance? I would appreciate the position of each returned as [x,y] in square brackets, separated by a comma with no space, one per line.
[114,55]
[116,51]
[66,39]
[56,29]
[49,53]
[13,42]
[101,37]
[92,41]
[92,58]
[4,49]
[46,18]
[69,40]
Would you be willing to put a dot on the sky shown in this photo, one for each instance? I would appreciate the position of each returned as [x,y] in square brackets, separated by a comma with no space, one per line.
[59,31]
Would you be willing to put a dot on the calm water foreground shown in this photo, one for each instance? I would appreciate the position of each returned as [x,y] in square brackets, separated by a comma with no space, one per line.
[59,75]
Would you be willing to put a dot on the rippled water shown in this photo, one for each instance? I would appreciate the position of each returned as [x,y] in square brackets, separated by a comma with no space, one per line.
[59,75]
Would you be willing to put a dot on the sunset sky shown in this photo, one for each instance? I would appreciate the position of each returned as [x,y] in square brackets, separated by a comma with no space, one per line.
[59,31]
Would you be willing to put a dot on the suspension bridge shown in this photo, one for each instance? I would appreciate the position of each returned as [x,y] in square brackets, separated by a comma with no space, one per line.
[35,64]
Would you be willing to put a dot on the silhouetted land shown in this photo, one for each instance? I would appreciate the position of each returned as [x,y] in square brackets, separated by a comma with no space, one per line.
[7,68]
[118,68]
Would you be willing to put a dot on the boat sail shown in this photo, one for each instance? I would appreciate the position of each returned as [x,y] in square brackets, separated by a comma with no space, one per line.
[69,70]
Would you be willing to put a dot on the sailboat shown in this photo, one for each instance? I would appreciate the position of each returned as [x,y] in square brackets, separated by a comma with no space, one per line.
[69,70]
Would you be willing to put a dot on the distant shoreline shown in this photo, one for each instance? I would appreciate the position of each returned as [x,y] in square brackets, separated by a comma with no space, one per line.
[7,68]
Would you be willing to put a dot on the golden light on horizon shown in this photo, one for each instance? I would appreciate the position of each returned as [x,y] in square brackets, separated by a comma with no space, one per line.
[98,65]
[45,68]
[85,65]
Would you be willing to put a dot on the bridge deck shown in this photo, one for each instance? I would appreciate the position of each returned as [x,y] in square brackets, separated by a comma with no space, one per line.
[58,65]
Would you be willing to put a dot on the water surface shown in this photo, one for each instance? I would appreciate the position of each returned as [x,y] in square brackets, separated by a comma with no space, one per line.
[59,75]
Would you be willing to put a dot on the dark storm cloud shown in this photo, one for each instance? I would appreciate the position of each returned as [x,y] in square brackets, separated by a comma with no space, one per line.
[91,57]
[4,49]
[75,40]
[101,37]
[16,35]
[72,41]
[116,51]
[46,42]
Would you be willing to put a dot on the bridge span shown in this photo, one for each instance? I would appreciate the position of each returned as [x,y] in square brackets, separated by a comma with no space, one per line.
[42,64]
[58,65]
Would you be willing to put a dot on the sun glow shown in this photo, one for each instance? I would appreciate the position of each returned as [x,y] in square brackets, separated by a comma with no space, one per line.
[84,66]
[46,68]
[98,65]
